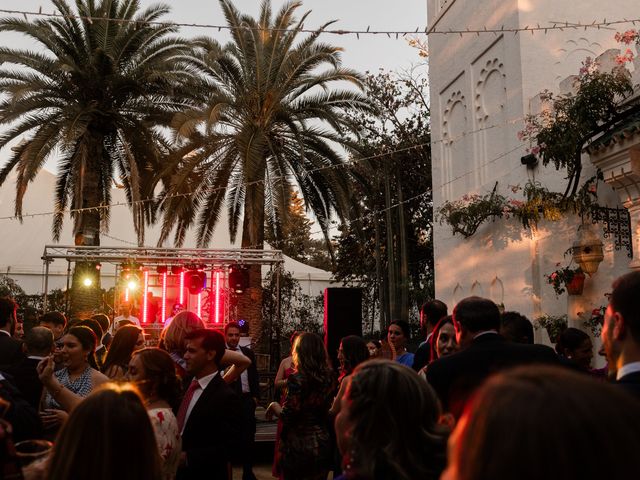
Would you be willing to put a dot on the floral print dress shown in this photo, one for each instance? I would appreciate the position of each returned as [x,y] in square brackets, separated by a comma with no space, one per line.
[167,434]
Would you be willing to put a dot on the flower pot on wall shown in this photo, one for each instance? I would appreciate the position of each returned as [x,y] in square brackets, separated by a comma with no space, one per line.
[576,285]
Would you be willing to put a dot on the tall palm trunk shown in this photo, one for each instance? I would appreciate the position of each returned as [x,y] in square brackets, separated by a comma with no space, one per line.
[250,302]
[391,263]
[403,259]
[86,298]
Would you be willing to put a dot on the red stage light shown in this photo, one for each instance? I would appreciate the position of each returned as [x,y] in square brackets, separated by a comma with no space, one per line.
[181,287]
[164,297]
[145,300]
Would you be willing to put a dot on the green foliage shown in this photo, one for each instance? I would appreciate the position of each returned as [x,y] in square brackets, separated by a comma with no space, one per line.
[92,94]
[554,134]
[560,278]
[296,241]
[298,312]
[554,325]
[388,251]
[467,214]
[270,118]
[31,304]
[595,321]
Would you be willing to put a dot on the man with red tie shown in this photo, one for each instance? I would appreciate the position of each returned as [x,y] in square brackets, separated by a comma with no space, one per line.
[209,413]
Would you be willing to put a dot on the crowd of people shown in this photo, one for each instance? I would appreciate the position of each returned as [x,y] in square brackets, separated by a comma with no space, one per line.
[477,400]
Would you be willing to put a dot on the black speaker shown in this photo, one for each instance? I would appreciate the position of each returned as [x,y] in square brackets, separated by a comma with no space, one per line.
[238,278]
[342,317]
[195,281]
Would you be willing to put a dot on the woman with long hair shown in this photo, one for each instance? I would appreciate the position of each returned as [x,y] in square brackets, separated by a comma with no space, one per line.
[172,338]
[398,334]
[285,369]
[153,372]
[77,378]
[387,427]
[351,353]
[443,339]
[126,340]
[107,436]
[305,445]
[173,341]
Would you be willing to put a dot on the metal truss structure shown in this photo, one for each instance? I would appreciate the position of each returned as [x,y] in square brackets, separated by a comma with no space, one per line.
[186,258]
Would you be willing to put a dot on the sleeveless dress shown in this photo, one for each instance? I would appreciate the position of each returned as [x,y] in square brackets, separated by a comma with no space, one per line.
[275,470]
[81,386]
[165,427]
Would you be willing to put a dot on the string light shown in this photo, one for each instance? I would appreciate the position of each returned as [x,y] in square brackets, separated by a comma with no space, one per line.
[561,26]
[349,163]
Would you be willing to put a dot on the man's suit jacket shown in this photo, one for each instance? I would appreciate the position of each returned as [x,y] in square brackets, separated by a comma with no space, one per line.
[454,378]
[26,380]
[211,433]
[631,384]
[23,417]
[252,372]
[10,350]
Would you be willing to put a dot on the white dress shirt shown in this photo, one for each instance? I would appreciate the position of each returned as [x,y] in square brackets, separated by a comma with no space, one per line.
[627,369]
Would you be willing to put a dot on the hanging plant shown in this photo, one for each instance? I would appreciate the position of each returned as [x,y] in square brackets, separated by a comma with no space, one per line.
[468,213]
[595,321]
[569,279]
[554,325]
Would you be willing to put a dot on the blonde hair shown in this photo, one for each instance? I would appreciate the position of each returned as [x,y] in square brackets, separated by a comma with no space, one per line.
[173,335]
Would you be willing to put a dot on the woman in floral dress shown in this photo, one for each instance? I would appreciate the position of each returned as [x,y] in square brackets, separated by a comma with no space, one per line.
[153,371]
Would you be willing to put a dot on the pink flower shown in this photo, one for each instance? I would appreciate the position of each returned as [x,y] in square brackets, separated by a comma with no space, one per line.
[627,37]
[625,58]
[553,276]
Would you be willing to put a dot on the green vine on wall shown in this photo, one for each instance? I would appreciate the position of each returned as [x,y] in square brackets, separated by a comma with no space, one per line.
[467,214]
[554,136]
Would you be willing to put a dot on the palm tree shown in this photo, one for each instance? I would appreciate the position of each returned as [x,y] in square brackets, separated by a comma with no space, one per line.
[93,96]
[271,121]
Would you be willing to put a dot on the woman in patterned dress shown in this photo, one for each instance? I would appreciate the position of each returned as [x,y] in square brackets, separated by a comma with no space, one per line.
[76,380]
[305,445]
[154,373]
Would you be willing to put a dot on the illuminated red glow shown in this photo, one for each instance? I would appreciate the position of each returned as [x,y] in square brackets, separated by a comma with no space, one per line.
[164,297]
[182,288]
[217,315]
[145,301]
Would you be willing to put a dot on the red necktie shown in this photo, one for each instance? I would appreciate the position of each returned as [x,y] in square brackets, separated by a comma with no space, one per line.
[186,401]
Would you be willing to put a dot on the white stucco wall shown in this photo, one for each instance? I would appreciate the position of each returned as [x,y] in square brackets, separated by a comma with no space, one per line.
[481,87]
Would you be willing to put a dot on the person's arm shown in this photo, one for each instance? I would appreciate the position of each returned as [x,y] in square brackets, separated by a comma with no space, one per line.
[239,363]
[98,379]
[280,381]
[61,394]
[335,407]
[292,404]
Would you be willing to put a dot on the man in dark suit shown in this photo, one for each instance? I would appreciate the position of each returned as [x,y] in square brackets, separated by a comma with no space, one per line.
[431,313]
[38,343]
[484,351]
[621,332]
[208,415]
[10,348]
[248,387]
